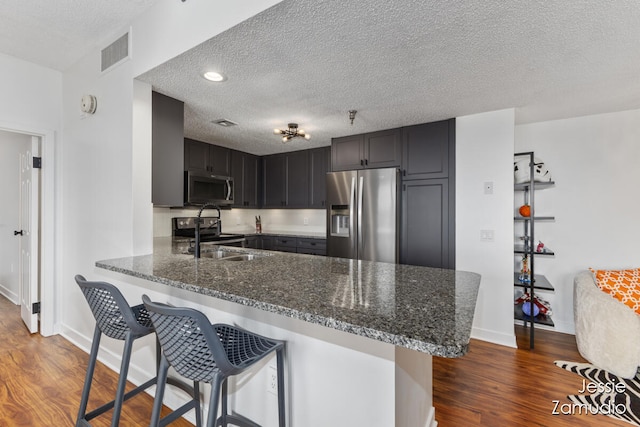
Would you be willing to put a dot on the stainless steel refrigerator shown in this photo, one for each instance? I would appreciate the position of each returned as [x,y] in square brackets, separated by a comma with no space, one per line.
[363,214]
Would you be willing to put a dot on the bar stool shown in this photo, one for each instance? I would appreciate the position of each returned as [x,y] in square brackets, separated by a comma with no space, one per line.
[116,319]
[203,352]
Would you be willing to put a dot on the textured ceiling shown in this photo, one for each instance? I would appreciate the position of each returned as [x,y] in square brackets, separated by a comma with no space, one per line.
[404,62]
[398,62]
[58,33]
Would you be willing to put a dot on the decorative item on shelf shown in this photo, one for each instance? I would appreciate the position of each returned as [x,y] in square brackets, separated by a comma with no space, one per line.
[525,274]
[522,171]
[540,306]
[525,211]
[540,247]
[258,225]
[526,309]
[291,132]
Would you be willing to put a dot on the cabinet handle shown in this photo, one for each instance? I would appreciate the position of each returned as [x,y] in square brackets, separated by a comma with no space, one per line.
[361,162]
[366,162]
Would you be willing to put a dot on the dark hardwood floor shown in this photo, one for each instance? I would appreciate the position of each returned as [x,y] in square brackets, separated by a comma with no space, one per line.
[41,381]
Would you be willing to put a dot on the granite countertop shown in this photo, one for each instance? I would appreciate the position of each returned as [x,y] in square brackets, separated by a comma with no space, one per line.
[425,309]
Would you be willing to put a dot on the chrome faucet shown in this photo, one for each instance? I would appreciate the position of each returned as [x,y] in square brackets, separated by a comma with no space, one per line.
[196,250]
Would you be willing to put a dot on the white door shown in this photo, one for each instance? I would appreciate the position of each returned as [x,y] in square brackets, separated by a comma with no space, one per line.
[29,236]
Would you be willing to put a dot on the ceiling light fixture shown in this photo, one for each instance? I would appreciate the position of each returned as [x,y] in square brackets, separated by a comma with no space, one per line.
[352,115]
[213,76]
[291,132]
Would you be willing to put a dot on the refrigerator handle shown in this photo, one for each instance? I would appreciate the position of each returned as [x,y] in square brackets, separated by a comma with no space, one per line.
[352,203]
[360,231]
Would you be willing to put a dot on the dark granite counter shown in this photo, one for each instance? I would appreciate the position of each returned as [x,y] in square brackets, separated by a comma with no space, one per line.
[424,309]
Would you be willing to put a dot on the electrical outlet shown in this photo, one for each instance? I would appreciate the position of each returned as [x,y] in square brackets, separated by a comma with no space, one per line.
[305,221]
[272,380]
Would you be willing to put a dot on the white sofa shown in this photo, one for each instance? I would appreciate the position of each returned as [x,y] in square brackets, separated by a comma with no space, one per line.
[607,331]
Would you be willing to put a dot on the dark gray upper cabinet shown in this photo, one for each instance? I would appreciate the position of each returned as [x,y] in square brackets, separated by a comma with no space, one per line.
[286,180]
[319,162]
[380,149]
[297,179]
[273,181]
[204,157]
[428,150]
[167,133]
[245,173]
[347,153]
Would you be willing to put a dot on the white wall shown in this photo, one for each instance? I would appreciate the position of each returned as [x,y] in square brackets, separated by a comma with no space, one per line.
[105,159]
[31,95]
[594,162]
[11,145]
[484,153]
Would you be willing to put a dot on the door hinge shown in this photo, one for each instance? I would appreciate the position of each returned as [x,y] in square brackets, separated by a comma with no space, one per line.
[37,162]
[35,308]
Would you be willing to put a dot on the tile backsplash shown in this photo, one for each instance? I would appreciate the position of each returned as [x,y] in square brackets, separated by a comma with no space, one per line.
[243,220]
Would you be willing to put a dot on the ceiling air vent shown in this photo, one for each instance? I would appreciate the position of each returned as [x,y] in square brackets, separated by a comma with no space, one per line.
[115,53]
[224,122]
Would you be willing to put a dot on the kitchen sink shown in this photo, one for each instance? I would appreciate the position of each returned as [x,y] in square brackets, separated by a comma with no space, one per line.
[242,257]
[218,254]
[226,255]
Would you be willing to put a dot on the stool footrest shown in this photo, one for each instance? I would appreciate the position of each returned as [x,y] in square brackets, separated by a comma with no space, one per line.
[237,420]
[109,405]
[178,413]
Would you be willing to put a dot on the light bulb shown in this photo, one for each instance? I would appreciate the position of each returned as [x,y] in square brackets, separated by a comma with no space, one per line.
[285,138]
[307,136]
[277,131]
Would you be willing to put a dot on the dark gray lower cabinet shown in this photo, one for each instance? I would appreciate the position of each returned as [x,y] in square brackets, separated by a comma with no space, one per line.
[427,229]
[301,245]
[252,242]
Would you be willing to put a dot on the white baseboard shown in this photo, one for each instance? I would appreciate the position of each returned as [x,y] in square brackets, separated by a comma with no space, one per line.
[8,294]
[508,340]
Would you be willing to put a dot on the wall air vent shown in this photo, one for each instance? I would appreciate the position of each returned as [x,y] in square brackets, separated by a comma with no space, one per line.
[115,53]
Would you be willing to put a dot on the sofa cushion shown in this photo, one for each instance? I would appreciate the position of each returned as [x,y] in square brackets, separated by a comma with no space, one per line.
[623,285]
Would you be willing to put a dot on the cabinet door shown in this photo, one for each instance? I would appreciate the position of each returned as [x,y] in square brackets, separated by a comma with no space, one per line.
[383,149]
[167,133]
[274,180]
[347,153]
[196,155]
[250,181]
[266,243]
[219,160]
[427,239]
[428,150]
[319,166]
[297,179]
[237,173]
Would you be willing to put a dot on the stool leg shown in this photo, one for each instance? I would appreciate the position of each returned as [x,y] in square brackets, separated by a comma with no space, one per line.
[212,418]
[93,356]
[122,380]
[196,397]
[223,398]
[280,368]
[163,369]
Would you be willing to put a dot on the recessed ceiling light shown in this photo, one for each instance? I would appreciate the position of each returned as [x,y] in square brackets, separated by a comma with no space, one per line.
[214,76]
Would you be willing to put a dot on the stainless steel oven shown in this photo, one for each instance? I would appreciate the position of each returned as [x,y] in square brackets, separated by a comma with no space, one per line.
[202,187]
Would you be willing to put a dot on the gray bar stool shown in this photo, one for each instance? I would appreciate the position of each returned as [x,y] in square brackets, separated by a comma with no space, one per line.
[116,319]
[203,352]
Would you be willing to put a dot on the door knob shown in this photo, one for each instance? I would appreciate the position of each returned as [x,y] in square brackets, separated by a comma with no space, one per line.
[21,232]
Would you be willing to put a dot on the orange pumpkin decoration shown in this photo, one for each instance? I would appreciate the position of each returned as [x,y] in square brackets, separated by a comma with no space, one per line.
[525,210]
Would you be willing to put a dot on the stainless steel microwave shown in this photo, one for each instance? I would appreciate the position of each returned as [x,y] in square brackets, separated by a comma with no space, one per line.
[202,187]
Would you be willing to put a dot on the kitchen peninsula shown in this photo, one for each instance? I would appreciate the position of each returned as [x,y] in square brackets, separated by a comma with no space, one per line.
[360,334]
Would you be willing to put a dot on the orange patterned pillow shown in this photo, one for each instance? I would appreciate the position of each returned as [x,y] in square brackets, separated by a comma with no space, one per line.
[623,285]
